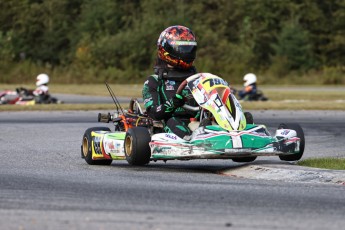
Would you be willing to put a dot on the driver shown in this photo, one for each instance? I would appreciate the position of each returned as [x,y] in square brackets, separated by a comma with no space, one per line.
[250,88]
[41,93]
[176,53]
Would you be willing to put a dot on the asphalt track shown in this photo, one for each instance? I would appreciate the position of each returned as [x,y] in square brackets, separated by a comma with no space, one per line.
[86,99]
[44,184]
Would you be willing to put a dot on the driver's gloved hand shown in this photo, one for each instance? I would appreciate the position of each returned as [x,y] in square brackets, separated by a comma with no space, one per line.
[169,106]
[174,103]
[178,101]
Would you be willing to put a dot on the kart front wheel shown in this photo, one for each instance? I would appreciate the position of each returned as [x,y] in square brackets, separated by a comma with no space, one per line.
[300,134]
[137,149]
[86,147]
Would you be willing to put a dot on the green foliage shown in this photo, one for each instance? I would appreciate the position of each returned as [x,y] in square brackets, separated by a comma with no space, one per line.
[294,46]
[326,163]
[6,48]
[95,40]
[333,75]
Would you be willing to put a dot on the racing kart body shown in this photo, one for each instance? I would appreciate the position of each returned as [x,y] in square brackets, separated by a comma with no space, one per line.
[228,134]
[9,97]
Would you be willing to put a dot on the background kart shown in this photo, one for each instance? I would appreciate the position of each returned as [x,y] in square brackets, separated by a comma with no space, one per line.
[258,96]
[223,132]
[22,96]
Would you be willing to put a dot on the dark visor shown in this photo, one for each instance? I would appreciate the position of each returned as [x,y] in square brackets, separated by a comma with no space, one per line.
[185,50]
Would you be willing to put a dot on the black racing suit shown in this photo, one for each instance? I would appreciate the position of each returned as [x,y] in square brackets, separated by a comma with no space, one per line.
[158,91]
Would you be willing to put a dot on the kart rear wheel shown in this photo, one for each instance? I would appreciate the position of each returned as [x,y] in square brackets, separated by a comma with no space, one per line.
[244,159]
[86,147]
[300,134]
[137,149]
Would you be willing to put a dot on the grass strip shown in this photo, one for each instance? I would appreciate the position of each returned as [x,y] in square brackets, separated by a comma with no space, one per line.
[293,105]
[268,105]
[310,93]
[324,163]
[281,98]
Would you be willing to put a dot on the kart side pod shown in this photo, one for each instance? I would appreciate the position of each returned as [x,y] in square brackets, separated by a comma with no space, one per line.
[289,140]
[100,144]
[113,145]
[286,133]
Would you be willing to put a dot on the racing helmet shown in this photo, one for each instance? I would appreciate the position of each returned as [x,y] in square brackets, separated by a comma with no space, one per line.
[249,79]
[177,46]
[42,79]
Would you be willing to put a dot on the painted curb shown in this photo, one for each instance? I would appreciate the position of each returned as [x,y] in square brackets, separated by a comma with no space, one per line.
[287,174]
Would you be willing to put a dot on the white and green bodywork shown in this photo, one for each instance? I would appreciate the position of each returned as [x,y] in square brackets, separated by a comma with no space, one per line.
[215,142]
[231,135]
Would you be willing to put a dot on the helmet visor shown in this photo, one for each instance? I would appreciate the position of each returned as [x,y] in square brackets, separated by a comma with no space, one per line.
[185,50]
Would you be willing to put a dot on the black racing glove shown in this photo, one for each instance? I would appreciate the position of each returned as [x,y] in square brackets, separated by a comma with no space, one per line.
[176,102]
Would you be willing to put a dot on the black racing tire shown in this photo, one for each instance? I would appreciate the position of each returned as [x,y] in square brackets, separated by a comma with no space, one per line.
[86,147]
[244,159]
[249,118]
[137,148]
[300,134]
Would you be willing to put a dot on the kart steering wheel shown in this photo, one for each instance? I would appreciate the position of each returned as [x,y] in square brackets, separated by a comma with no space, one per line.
[182,86]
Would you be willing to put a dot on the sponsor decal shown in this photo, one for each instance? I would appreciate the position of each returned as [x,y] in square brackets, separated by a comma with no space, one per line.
[183,43]
[193,85]
[169,85]
[236,102]
[171,82]
[97,145]
[236,141]
[158,150]
[214,81]
[113,147]
[285,132]
[171,136]
[147,100]
[237,150]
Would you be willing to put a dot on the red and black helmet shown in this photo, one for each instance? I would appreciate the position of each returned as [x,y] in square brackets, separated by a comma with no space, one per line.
[177,46]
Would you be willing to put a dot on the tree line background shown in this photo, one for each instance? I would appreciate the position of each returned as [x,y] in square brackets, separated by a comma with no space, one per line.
[90,41]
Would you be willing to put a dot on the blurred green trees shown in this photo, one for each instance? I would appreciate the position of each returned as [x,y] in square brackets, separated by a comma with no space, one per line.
[87,41]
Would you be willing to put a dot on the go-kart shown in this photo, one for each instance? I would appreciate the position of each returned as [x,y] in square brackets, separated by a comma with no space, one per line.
[229,133]
[23,96]
[258,96]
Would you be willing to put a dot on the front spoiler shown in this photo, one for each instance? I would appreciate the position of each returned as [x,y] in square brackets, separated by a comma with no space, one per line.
[238,154]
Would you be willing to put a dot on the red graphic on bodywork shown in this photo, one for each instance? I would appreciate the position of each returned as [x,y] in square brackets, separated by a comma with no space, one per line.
[111,145]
